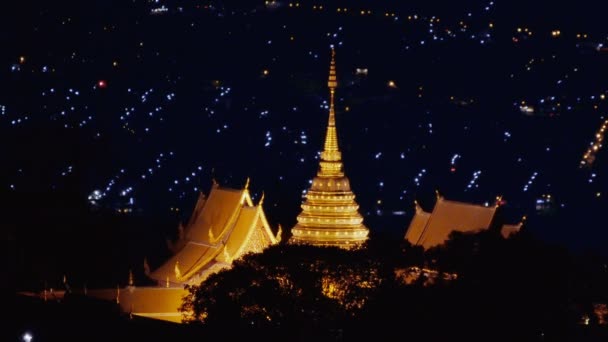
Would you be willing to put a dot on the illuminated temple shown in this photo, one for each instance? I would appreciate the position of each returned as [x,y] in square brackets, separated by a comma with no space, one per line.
[223,227]
[429,229]
[330,215]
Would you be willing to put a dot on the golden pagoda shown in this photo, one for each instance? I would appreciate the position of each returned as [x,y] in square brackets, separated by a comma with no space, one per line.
[330,215]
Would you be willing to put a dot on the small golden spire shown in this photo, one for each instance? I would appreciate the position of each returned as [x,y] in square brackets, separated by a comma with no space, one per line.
[261,199]
[130,278]
[247,184]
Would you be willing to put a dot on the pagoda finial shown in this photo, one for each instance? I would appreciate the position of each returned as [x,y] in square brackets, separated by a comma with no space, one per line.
[332,82]
[331,152]
[261,199]
[247,184]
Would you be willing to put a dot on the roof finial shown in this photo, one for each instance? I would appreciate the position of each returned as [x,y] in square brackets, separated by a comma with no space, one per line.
[130,278]
[261,199]
[417,206]
[227,256]
[146,267]
[178,272]
[499,201]
[247,184]
[279,235]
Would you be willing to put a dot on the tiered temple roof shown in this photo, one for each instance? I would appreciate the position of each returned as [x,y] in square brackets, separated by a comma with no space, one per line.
[330,215]
[222,228]
[432,229]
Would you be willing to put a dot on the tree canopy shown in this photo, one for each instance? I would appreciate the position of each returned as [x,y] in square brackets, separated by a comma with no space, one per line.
[503,289]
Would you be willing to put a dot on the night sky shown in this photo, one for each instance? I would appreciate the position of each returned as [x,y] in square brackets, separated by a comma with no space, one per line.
[133,107]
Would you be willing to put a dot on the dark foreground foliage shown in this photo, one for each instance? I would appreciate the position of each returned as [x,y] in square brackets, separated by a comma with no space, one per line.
[506,290]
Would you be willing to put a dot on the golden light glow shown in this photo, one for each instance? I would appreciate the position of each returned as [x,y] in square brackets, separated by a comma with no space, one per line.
[595,146]
[330,214]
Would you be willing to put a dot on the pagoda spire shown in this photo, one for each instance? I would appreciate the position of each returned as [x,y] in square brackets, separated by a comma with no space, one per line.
[330,215]
[331,157]
[331,137]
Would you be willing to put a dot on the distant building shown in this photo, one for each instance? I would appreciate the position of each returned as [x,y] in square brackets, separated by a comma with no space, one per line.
[430,229]
[222,228]
[330,216]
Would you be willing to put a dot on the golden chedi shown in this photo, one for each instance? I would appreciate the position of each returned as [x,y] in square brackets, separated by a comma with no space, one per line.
[330,216]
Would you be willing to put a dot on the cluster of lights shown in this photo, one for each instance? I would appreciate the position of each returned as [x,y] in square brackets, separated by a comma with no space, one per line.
[419,177]
[188,179]
[67,171]
[453,161]
[159,159]
[95,196]
[473,181]
[355,234]
[595,146]
[530,181]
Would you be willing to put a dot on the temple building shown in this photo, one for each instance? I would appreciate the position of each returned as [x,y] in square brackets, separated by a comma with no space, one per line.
[222,228]
[330,215]
[429,229]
